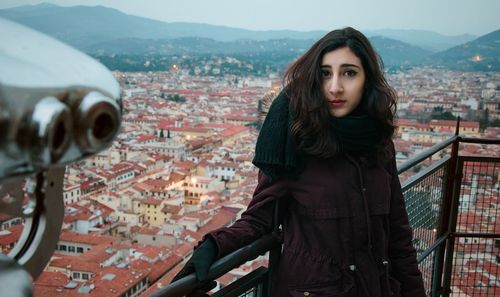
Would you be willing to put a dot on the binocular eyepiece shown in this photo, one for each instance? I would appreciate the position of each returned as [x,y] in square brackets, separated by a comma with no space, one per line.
[44,134]
[99,119]
[56,129]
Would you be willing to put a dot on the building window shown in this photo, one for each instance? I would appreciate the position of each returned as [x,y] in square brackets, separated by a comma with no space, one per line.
[85,276]
[79,250]
[76,275]
[71,249]
[62,247]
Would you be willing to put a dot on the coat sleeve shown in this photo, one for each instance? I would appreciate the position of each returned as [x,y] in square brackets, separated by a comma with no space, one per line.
[402,254]
[256,221]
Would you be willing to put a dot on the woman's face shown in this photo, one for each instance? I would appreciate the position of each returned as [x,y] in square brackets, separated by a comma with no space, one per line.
[343,81]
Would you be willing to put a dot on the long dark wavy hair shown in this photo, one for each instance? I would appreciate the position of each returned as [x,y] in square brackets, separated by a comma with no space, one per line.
[309,108]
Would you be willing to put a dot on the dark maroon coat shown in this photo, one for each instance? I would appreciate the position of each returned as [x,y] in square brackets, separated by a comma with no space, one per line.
[345,227]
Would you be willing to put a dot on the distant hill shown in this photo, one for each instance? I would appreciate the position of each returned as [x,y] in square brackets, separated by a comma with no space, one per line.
[103,31]
[98,23]
[481,54]
[428,40]
[395,52]
[197,45]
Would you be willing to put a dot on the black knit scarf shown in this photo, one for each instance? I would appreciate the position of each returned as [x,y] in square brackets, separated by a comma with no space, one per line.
[275,154]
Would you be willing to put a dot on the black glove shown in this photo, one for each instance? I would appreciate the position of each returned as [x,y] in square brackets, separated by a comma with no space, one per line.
[200,263]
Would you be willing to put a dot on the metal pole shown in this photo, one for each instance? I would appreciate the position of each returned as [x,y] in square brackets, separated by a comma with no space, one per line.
[437,288]
[450,245]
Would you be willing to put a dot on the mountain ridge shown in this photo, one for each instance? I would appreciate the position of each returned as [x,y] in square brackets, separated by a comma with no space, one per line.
[481,54]
[106,31]
[159,29]
[426,39]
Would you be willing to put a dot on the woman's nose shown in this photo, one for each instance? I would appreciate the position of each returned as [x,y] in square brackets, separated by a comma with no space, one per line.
[335,85]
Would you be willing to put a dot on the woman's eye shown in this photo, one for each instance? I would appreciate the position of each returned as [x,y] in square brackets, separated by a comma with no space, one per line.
[350,73]
[325,73]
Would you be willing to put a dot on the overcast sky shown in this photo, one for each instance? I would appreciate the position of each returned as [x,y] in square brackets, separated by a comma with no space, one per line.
[450,17]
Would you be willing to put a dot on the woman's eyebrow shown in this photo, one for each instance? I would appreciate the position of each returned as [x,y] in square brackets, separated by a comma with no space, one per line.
[342,65]
[349,65]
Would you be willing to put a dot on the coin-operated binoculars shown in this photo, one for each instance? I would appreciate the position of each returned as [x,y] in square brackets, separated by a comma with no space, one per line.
[57,106]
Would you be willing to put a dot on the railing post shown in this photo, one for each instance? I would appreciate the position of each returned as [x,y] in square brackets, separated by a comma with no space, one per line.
[450,244]
[438,288]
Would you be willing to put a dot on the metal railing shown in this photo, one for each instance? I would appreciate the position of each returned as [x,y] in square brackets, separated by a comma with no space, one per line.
[453,206]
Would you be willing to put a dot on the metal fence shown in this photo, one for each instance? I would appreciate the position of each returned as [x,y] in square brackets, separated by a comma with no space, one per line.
[424,196]
[475,242]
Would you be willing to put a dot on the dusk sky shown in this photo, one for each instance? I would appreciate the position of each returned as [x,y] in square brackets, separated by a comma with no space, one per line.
[449,17]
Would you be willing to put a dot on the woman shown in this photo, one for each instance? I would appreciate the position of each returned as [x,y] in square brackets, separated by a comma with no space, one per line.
[325,149]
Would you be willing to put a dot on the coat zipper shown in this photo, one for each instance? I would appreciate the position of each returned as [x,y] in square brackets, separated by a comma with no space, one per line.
[388,283]
[368,222]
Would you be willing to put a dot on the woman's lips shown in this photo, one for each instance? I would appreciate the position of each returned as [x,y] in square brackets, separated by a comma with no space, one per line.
[337,103]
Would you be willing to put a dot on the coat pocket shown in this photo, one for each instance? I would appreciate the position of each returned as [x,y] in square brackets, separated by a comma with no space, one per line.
[323,201]
[390,286]
[330,289]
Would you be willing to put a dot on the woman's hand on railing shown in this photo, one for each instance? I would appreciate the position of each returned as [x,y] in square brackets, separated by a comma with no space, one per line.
[200,263]
[187,280]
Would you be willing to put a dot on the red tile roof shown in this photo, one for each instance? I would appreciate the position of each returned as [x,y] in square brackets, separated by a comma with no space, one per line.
[144,138]
[74,264]
[160,268]
[110,282]
[151,201]
[146,230]
[163,281]
[70,236]
[453,124]
[51,279]
[232,131]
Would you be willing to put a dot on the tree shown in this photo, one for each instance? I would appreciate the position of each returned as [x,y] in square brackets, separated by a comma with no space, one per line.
[176,98]
[438,113]
[485,120]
